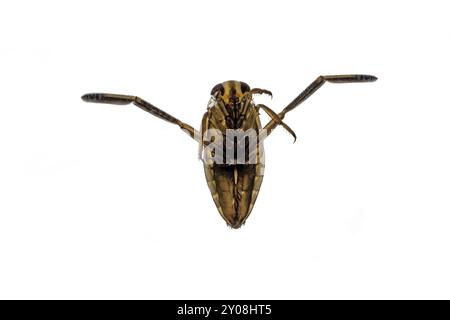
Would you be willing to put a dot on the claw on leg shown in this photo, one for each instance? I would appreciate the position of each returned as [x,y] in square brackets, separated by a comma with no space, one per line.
[261,91]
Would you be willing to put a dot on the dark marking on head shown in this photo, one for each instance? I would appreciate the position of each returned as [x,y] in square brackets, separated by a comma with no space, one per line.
[244,87]
[218,88]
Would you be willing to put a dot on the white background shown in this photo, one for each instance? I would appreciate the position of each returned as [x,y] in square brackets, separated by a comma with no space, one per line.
[100,201]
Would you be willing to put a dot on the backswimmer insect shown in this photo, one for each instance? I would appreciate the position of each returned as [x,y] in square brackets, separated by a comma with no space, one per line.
[231,138]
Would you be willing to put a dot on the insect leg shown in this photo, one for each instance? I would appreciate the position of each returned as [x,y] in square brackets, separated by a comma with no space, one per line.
[144,105]
[313,87]
[260,91]
[276,118]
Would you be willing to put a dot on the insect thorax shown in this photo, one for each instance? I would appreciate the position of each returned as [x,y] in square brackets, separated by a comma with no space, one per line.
[232,135]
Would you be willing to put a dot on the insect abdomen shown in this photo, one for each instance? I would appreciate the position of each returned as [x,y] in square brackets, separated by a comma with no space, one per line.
[234,189]
[234,181]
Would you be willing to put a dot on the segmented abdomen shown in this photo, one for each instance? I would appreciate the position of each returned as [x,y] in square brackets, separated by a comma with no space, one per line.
[234,189]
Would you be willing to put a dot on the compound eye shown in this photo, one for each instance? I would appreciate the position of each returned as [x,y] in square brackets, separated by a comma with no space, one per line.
[218,88]
[245,87]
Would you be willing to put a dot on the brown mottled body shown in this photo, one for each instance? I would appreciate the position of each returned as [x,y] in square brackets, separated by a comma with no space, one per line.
[234,181]
[234,186]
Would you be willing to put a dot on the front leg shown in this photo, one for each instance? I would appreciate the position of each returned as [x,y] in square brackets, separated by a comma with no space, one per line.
[313,87]
[261,91]
[272,114]
[121,99]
